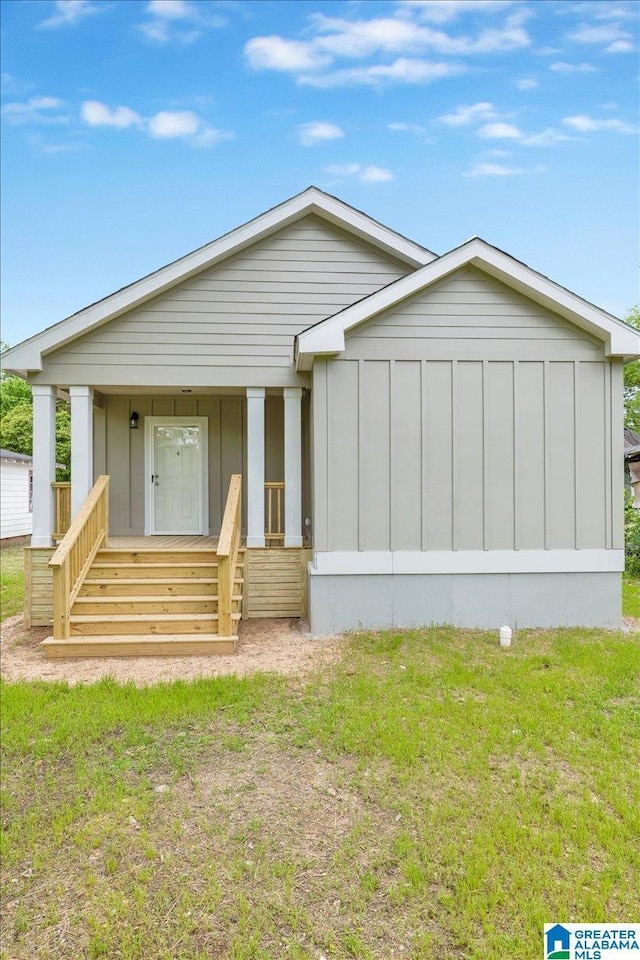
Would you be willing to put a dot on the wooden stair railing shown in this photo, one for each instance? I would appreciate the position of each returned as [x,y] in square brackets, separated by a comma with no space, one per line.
[274,529]
[75,554]
[228,547]
[62,515]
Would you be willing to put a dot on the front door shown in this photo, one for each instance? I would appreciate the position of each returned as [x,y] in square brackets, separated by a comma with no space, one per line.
[176,475]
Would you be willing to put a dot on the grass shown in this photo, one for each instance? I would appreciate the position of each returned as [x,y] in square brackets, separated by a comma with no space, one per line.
[11,581]
[630,596]
[433,795]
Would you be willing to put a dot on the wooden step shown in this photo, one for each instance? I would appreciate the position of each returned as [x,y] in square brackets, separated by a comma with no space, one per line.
[134,605]
[87,625]
[164,571]
[155,556]
[169,645]
[156,586]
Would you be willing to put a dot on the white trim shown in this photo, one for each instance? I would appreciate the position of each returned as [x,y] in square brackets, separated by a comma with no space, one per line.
[203,424]
[255,466]
[345,563]
[328,336]
[81,403]
[292,466]
[44,465]
[28,355]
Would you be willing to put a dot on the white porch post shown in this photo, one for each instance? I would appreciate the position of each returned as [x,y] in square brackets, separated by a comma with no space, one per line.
[44,464]
[292,467]
[81,445]
[255,466]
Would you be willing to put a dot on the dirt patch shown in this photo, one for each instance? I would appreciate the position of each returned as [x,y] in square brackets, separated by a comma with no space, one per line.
[267,646]
[632,624]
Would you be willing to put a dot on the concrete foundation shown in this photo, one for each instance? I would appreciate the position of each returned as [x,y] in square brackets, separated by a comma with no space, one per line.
[483,601]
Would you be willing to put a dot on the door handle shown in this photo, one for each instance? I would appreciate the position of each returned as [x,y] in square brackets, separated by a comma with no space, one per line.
[154,479]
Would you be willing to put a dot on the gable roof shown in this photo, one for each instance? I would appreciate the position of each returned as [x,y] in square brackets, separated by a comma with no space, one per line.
[28,355]
[328,336]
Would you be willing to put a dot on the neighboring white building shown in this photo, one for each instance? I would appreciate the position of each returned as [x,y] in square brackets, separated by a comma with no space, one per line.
[16,507]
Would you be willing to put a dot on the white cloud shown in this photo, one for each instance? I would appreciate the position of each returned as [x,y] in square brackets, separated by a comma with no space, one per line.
[443,11]
[610,35]
[276,53]
[487,169]
[168,124]
[586,124]
[527,83]
[500,131]
[546,138]
[396,47]
[36,110]
[364,173]
[177,20]
[164,125]
[465,115]
[508,131]
[96,114]
[561,67]
[68,12]
[402,70]
[318,131]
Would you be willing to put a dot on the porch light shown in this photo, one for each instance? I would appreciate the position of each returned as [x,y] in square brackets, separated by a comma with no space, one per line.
[133,420]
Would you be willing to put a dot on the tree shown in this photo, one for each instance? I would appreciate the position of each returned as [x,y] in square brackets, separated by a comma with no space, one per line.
[632,380]
[16,421]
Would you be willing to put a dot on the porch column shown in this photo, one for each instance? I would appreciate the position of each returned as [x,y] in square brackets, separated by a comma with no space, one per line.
[44,464]
[255,466]
[81,445]
[292,467]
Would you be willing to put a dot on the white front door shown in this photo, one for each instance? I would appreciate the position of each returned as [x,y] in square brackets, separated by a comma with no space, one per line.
[176,475]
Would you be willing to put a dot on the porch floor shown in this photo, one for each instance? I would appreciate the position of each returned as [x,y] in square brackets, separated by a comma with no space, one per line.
[160,542]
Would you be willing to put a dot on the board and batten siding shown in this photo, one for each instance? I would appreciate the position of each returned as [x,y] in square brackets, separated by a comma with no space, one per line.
[16,520]
[468,418]
[119,451]
[232,324]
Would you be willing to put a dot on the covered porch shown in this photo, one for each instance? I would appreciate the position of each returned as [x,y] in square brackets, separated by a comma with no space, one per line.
[184,515]
[170,456]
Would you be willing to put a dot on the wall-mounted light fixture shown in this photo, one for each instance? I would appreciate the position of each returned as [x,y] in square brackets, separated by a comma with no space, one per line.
[133,420]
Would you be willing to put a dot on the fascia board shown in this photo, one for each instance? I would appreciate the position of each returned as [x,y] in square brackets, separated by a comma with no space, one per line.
[327,337]
[28,355]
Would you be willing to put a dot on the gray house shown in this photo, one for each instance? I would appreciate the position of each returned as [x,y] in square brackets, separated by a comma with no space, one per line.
[430,439]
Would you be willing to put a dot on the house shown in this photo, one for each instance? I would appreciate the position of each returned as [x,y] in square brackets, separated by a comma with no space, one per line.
[15,497]
[315,414]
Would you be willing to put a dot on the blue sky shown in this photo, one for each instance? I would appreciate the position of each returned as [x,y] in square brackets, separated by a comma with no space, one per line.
[136,131]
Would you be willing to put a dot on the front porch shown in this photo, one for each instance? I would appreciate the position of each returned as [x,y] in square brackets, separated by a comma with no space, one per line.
[160,595]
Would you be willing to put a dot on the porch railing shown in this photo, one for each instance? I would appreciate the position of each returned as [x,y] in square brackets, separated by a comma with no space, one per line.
[62,509]
[274,528]
[228,547]
[73,558]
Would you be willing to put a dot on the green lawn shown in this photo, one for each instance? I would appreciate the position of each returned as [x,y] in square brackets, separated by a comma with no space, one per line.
[630,597]
[11,581]
[432,796]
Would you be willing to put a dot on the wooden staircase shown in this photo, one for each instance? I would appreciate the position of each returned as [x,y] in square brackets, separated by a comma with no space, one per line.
[148,603]
[144,602]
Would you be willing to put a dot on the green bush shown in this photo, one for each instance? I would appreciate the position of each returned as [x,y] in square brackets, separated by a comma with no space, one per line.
[631,536]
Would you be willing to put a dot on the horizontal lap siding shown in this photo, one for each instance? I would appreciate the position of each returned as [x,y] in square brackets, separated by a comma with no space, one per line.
[15,518]
[240,315]
[475,432]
